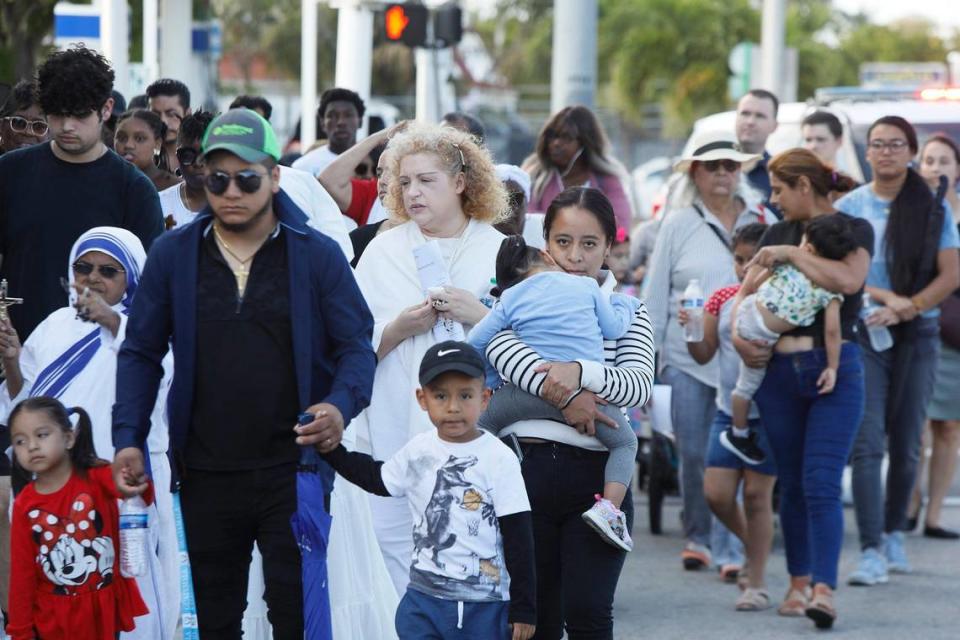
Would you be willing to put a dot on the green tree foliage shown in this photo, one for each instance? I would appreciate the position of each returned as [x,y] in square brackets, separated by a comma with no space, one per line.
[23,25]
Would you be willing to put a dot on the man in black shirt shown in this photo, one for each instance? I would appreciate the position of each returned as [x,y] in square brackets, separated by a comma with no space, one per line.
[51,193]
[266,322]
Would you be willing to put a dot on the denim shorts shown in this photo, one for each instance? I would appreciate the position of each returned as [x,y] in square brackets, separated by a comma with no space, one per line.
[719,456]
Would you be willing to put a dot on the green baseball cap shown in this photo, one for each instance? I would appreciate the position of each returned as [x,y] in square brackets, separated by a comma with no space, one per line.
[244,133]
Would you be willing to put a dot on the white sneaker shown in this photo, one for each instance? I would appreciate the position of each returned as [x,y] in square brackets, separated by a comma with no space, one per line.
[610,523]
[871,570]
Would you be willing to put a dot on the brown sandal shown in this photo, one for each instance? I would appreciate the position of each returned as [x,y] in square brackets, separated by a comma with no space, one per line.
[821,609]
[795,603]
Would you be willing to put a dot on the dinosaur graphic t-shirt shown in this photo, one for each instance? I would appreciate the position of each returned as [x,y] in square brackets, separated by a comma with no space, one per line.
[456,492]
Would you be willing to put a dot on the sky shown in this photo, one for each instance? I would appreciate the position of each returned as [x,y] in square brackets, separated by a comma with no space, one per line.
[942,12]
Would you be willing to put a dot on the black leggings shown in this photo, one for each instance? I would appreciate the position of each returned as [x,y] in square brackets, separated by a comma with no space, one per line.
[577,572]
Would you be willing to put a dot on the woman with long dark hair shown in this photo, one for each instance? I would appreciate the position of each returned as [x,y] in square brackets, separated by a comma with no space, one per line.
[577,572]
[572,150]
[915,266]
[139,140]
[940,157]
[810,433]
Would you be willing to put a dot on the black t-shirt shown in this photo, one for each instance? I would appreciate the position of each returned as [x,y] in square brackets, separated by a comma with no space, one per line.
[791,232]
[245,401]
[46,204]
[361,237]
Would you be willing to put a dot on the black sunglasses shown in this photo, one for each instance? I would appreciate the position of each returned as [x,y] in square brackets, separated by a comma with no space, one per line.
[38,128]
[248,181]
[105,270]
[188,156]
[728,165]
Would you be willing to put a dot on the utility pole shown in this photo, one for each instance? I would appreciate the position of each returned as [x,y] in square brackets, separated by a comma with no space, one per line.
[151,57]
[308,73]
[115,41]
[772,47]
[176,21]
[573,78]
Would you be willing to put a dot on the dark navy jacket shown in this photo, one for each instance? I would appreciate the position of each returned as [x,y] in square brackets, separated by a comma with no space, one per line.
[330,321]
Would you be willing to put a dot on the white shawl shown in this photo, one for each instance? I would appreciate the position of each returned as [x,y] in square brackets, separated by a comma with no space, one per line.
[387,276]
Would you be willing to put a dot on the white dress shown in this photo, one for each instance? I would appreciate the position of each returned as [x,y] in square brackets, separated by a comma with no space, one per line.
[387,275]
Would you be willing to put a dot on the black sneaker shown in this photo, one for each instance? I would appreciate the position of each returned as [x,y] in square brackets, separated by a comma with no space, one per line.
[746,448]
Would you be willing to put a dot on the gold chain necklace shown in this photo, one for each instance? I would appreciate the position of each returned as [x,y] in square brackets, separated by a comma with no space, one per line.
[241,274]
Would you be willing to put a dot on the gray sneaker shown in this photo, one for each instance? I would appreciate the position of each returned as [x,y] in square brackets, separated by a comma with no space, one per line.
[871,570]
[896,552]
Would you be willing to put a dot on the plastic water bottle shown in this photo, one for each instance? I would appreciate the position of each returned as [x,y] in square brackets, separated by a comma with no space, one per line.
[879,335]
[692,303]
[134,520]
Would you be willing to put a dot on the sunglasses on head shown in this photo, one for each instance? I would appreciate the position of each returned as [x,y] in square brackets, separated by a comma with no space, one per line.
[248,181]
[38,128]
[105,270]
[713,165]
[188,156]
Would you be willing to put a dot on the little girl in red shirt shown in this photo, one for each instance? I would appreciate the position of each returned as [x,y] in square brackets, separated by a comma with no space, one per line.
[65,577]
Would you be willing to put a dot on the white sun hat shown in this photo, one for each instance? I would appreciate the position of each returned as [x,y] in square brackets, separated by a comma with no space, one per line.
[713,145]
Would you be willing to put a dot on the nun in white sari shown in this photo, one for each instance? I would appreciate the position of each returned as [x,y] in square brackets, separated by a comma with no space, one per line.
[72,356]
[446,189]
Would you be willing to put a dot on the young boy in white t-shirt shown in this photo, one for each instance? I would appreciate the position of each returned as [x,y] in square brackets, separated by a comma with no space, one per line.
[472,571]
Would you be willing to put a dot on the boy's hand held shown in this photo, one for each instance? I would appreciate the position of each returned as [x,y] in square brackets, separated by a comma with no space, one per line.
[129,473]
[522,631]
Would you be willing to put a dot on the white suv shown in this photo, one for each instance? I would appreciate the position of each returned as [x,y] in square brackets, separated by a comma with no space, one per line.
[857,110]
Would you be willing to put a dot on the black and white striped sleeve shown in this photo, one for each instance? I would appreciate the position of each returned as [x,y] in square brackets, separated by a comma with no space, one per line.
[628,382]
[516,362]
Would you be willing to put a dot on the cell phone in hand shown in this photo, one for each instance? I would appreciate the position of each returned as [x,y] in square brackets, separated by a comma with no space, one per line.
[305,418]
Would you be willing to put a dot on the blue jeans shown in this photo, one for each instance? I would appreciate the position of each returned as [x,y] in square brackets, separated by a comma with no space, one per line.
[811,436]
[424,617]
[892,425]
[692,407]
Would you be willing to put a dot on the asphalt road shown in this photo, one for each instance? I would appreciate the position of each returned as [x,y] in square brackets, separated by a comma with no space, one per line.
[657,599]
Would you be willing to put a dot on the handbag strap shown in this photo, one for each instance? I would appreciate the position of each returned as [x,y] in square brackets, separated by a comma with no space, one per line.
[716,231]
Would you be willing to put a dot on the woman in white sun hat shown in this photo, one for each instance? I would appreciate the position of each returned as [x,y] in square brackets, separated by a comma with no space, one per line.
[708,201]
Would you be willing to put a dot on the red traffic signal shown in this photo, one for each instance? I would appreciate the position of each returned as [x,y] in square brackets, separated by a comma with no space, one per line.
[407,23]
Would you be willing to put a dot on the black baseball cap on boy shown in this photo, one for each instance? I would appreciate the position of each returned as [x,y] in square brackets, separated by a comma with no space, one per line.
[450,356]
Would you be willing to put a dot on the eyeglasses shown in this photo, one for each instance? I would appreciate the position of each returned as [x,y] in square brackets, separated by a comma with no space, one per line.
[38,128]
[890,145]
[105,270]
[188,156]
[248,181]
[562,136]
[713,165]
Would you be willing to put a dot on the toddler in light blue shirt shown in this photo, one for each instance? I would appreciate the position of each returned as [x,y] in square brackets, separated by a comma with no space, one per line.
[563,318]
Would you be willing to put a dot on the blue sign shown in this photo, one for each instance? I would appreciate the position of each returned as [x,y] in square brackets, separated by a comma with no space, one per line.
[74,26]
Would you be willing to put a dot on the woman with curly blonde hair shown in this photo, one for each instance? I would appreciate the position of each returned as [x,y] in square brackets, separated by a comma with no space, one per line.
[445,189]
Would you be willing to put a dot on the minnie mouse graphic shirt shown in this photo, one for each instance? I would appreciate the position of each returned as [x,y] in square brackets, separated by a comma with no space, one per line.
[65,577]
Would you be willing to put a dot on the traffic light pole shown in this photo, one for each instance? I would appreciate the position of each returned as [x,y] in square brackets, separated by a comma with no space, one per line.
[308,73]
[355,49]
[428,86]
[573,78]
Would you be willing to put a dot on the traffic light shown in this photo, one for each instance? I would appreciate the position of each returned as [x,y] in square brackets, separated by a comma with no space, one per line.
[448,25]
[407,23]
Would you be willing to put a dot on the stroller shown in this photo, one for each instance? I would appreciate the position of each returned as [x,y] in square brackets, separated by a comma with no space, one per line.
[657,473]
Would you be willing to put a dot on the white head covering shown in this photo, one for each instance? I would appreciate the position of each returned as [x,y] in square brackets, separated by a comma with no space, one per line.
[515,174]
[713,145]
[119,244]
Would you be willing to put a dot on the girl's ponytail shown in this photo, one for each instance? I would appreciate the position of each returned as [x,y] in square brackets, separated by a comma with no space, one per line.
[514,261]
[83,455]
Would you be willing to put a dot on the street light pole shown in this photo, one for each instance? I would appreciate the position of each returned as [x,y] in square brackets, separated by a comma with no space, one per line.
[573,78]
[308,73]
[772,47]
[354,48]
[115,41]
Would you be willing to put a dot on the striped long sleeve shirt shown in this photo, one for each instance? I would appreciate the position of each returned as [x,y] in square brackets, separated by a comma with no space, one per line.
[624,379]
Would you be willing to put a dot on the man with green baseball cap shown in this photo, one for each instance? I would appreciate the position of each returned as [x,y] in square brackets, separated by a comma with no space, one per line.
[267,323]
[244,133]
